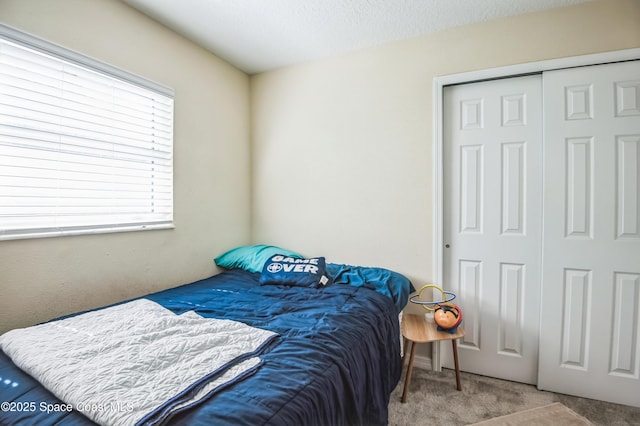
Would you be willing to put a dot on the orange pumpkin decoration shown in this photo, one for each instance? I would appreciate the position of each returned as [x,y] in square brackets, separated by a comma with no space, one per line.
[447,316]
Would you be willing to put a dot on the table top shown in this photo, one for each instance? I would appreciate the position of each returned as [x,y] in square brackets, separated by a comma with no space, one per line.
[417,329]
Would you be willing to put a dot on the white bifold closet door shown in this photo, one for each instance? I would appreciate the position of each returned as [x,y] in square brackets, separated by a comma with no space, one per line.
[493,217]
[542,228]
[590,311]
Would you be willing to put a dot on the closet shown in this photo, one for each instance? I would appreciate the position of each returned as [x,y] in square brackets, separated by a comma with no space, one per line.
[541,227]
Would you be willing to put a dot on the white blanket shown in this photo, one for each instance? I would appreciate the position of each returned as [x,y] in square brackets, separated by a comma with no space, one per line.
[135,362]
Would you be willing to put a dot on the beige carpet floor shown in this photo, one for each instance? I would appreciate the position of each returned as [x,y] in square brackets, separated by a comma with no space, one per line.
[434,400]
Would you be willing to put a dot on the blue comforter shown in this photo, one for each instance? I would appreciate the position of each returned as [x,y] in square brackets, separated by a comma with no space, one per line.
[336,361]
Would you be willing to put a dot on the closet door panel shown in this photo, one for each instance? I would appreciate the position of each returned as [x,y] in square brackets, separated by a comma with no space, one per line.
[590,321]
[493,187]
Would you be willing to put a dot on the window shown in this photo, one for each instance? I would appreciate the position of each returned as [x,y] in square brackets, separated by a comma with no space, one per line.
[84,147]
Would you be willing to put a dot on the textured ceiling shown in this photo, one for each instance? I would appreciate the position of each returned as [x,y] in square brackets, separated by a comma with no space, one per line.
[259,35]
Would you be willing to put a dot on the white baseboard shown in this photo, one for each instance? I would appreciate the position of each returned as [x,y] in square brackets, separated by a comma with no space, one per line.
[422,362]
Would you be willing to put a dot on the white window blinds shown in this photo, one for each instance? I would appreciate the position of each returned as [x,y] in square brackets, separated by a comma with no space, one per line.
[82,149]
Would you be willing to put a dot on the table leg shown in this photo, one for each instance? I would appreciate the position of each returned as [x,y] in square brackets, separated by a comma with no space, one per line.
[407,378]
[455,362]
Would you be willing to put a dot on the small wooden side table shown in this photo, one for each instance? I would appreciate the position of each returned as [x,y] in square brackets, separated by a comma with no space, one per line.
[416,329]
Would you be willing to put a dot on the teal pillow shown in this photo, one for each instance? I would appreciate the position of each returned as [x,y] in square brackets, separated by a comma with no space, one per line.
[385,281]
[251,258]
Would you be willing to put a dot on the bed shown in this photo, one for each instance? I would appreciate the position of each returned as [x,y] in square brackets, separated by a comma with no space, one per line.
[329,354]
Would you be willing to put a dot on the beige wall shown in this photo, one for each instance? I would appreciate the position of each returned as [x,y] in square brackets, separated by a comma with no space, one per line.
[342,147]
[44,278]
